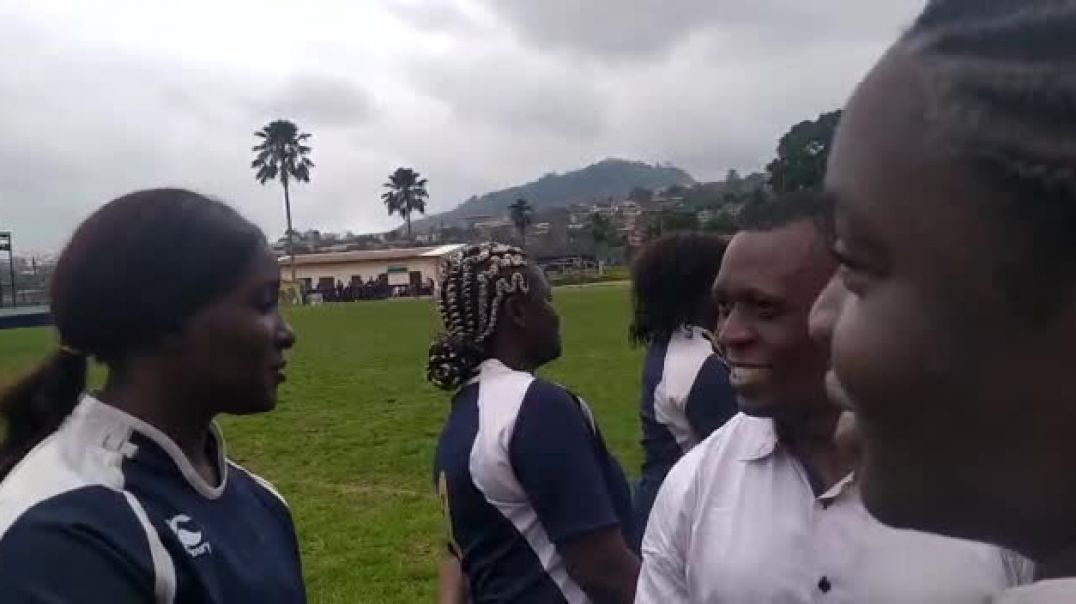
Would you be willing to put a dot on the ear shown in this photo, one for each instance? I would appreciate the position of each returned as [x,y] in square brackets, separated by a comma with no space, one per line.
[514,310]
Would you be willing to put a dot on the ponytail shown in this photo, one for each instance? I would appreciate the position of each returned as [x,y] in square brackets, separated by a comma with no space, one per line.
[35,406]
[453,362]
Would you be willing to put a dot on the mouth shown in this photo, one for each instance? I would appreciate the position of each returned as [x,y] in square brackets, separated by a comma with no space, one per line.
[277,372]
[745,375]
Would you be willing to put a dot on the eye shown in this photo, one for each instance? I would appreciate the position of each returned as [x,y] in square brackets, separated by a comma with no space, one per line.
[724,308]
[854,275]
[766,309]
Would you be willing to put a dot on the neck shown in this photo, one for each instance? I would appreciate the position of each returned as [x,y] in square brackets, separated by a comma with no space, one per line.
[162,407]
[504,348]
[812,440]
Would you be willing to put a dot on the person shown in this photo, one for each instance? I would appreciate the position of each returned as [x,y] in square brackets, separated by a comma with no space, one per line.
[953,321]
[685,386]
[536,508]
[767,508]
[126,495]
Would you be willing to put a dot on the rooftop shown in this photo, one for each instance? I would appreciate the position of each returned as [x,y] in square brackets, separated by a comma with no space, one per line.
[373,255]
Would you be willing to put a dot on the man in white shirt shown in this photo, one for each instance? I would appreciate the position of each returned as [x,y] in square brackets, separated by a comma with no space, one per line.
[767,508]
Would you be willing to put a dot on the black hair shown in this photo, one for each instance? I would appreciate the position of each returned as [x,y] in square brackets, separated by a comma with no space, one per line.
[474,284]
[1003,90]
[779,211]
[672,279]
[133,273]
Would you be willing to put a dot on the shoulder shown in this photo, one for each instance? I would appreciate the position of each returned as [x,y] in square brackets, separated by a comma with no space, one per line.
[740,435]
[686,356]
[259,485]
[62,469]
[94,514]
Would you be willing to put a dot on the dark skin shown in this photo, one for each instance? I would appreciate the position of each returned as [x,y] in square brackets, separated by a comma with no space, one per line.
[967,410]
[227,358]
[527,337]
[767,284]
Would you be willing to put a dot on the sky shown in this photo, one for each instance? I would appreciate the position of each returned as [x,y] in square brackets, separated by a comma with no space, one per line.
[101,98]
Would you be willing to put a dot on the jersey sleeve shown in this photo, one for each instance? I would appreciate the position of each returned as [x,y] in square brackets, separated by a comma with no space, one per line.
[663,576]
[712,401]
[58,564]
[554,454]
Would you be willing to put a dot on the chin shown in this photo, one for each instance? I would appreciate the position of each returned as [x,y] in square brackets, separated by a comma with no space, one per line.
[755,406]
[904,498]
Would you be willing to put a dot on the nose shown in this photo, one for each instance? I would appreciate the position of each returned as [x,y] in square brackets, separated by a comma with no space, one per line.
[734,330]
[826,310]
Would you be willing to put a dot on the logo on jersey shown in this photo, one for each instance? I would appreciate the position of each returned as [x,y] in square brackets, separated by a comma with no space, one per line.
[189,535]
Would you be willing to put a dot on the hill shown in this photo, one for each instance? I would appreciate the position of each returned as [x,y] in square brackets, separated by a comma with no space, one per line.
[607,178]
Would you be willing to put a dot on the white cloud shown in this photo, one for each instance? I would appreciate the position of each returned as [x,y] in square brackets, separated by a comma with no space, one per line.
[113,95]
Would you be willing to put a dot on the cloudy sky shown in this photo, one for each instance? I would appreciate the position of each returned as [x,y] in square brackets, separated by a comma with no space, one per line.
[100,98]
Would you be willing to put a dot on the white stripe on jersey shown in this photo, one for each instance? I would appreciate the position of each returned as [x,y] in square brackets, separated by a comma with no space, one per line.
[164,570]
[500,396]
[268,486]
[688,350]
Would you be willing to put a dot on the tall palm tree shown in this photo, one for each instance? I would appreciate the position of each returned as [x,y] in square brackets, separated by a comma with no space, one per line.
[522,216]
[406,194]
[282,154]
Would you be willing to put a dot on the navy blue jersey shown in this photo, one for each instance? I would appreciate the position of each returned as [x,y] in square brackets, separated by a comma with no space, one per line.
[521,469]
[108,509]
[686,395]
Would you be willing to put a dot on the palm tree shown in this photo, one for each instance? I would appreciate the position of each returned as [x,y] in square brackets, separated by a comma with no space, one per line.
[282,154]
[602,233]
[522,216]
[407,193]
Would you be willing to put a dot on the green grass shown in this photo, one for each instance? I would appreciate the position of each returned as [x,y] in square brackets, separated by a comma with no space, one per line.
[351,443]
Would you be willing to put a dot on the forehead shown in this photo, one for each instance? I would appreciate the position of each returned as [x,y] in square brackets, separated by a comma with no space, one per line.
[783,262]
[898,179]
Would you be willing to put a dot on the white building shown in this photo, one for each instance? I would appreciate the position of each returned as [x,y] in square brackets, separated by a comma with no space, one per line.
[406,266]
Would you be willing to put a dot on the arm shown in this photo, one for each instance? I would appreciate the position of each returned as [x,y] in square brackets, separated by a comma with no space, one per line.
[712,401]
[599,562]
[663,577]
[555,455]
[451,583]
[43,564]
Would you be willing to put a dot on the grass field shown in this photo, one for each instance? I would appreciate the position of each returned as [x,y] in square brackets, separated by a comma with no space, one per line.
[351,443]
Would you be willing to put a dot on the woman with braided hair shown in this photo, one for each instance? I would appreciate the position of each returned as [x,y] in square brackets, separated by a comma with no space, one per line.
[952,322]
[536,508]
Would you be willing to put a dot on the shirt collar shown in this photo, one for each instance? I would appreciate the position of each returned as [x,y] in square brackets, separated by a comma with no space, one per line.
[1057,591]
[763,443]
[691,331]
[114,427]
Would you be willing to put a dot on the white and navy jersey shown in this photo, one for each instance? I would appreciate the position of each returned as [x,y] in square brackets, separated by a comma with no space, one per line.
[521,468]
[107,509]
[686,395]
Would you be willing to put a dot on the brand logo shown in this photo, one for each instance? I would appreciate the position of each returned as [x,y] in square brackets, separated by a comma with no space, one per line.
[189,536]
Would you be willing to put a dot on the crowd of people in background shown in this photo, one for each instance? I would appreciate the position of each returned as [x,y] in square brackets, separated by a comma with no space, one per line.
[867,395]
[372,289]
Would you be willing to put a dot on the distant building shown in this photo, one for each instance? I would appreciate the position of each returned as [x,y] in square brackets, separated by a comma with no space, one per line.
[396,267]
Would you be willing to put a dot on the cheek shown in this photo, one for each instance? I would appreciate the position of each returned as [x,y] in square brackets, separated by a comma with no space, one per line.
[882,350]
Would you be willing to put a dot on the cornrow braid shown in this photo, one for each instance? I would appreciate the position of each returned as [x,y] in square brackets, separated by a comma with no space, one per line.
[1002,87]
[474,284]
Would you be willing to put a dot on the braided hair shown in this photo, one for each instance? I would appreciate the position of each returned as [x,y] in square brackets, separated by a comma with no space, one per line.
[474,283]
[1001,86]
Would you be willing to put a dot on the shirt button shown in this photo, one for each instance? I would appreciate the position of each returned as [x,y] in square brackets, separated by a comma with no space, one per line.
[823,585]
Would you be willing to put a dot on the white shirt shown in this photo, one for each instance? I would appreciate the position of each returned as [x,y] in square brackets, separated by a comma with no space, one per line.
[1056,591]
[737,522]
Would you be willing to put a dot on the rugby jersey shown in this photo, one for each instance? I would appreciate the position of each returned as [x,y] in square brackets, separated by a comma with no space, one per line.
[521,468]
[108,509]
[686,395]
